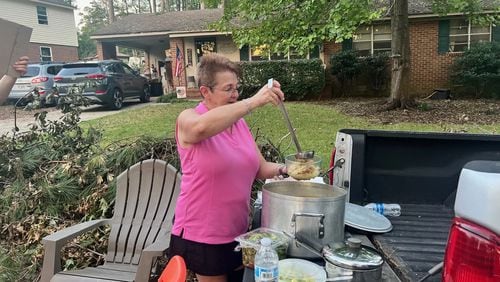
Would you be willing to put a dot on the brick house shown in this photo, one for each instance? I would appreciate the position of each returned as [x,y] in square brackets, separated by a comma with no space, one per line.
[54,36]
[435,42]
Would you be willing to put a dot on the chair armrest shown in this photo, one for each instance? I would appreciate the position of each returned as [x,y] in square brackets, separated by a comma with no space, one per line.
[152,251]
[53,244]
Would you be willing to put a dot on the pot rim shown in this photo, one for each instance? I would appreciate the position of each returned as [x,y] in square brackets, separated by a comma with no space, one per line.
[340,193]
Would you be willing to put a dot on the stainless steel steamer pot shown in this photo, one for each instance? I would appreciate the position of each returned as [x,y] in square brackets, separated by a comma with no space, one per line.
[313,212]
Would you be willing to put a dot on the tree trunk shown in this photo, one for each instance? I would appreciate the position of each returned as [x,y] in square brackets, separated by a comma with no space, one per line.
[111,11]
[400,45]
[154,6]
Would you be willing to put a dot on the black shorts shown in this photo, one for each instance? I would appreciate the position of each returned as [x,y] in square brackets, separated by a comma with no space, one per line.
[206,259]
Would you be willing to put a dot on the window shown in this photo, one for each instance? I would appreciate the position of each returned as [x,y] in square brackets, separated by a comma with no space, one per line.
[261,53]
[41,13]
[369,40]
[204,46]
[463,33]
[45,54]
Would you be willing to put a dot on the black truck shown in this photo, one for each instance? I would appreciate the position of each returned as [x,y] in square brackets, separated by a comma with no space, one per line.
[419,171]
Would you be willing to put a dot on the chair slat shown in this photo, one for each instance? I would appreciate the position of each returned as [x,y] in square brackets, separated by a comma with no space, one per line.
[134,180]
[149,170]
[166,205]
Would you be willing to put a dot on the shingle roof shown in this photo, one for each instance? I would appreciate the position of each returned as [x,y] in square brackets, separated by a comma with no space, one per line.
[191,20]
[198,20]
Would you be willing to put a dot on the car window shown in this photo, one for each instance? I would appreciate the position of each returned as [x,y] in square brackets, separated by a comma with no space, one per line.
[112,68]
[32,71]
[53,70]
[127,69]
[79,69]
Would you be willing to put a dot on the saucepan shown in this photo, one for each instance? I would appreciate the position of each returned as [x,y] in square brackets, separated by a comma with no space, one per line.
[350,261]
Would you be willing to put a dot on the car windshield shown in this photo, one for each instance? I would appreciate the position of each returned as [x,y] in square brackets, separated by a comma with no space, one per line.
[32,71]
[79,69]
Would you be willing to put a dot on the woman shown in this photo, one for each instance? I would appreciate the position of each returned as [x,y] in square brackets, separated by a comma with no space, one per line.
[219,161]
[7,81]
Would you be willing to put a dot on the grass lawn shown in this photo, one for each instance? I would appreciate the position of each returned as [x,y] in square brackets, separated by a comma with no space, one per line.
[316,125]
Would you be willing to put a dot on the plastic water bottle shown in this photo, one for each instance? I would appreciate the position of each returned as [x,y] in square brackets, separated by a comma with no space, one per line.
[266,262]
[385,209]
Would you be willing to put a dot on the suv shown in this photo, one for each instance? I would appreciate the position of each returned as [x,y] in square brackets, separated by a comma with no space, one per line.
[39,75]
[107,82]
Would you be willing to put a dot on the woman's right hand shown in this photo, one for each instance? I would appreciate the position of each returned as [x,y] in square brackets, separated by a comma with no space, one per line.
[268,95]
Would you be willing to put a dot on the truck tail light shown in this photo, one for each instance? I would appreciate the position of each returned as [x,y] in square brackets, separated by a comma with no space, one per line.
[472,253]
[39,79]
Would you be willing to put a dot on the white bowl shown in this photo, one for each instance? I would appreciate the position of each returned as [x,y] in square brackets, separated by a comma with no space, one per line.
[300,270]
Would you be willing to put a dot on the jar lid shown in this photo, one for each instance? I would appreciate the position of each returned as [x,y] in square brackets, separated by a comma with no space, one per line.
[353,255]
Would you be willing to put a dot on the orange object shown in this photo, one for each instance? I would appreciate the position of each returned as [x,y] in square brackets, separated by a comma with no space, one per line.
[175,270]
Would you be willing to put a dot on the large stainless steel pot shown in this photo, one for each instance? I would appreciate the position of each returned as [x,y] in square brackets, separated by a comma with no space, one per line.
[313,212]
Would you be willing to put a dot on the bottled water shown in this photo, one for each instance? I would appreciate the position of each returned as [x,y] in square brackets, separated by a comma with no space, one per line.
[385,209]
[266,262]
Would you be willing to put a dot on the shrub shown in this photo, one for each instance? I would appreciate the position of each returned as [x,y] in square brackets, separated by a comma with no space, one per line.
[375,68]
[299,78]
[345,66]
[478,70]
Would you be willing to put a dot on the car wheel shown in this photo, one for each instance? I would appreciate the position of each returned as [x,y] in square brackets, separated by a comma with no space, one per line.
[146,94]
[117,102]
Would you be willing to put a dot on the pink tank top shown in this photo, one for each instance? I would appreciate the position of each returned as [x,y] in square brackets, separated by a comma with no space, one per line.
[217,175]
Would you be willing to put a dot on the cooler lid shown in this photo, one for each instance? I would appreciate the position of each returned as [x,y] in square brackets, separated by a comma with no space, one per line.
[361,218]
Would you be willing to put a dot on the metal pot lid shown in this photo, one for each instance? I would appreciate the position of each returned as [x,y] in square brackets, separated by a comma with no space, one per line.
[353,256]
[365,219]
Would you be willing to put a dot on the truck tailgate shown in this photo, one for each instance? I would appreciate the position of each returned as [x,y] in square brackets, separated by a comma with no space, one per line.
[417,241]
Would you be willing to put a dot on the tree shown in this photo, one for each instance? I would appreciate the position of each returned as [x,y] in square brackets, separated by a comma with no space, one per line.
[111,11]
[301,25]
[93,17]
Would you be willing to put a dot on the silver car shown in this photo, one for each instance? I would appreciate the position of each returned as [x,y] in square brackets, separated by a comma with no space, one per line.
[39,75]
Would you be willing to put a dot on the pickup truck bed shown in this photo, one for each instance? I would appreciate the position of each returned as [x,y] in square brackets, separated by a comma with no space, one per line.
[420,172]
[417,241]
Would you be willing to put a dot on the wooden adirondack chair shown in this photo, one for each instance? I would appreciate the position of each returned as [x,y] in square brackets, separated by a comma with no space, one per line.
[146,195]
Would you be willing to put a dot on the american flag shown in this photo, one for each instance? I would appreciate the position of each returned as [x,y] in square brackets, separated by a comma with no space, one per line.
[179,61]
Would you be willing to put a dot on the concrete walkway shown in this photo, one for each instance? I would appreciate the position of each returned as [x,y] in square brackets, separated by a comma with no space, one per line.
[91,112]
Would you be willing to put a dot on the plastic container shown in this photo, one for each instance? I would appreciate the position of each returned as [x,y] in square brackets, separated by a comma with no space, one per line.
[302,169]
[266,262]
[385,209]
[250,243]
[300,270]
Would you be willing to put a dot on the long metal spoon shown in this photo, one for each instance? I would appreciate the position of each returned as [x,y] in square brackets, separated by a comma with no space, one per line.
[300,154]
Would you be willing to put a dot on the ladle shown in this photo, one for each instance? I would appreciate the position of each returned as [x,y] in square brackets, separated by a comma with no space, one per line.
[299,154]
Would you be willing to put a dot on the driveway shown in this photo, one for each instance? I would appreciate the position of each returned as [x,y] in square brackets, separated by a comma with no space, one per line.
[25,119]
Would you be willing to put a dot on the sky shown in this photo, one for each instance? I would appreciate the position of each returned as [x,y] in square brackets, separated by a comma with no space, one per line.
[81,4]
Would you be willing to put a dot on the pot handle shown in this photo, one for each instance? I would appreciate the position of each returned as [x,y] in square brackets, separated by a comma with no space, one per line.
[321,227]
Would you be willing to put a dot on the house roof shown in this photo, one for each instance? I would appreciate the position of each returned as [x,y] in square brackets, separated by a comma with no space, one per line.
[198,20]
[55,2]
[181,21]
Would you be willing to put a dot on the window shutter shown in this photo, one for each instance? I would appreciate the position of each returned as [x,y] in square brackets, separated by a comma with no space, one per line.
[347,44]
[444,36]
[314,53]
[495,33]
[244,53]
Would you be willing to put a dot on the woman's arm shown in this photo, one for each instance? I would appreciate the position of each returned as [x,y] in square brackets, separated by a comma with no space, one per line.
[269,170]
[194,128]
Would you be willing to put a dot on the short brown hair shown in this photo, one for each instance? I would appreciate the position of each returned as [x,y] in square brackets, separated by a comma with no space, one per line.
[212,64]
